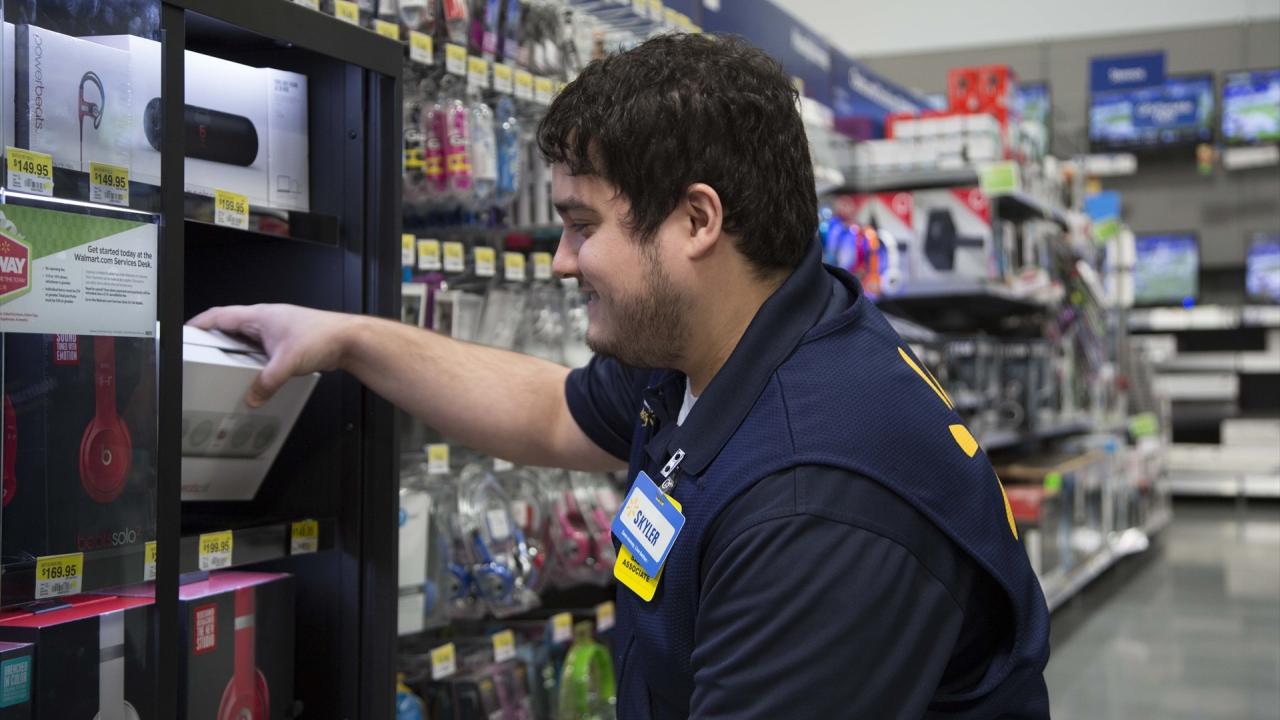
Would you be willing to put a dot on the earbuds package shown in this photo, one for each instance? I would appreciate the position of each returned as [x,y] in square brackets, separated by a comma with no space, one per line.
[73,99]
[228,447]
[80,443]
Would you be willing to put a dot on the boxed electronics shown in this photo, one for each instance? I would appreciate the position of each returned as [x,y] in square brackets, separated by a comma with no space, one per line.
[415,539]
[228,447]
[84,415]
[953,237]
[890,214]
[246,127]
[17,670]
[72,99]
[92,657]
[239,637]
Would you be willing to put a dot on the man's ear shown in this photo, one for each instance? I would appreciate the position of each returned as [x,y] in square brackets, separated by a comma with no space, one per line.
[705,219]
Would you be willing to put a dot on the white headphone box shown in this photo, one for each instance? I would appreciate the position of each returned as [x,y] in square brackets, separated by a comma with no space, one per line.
[228,447]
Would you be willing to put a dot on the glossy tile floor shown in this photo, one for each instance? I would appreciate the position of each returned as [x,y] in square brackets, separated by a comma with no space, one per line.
[1189,630]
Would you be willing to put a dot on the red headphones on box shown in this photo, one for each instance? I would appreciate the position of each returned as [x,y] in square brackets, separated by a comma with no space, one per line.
[10,451]
[247,696]
[106,448]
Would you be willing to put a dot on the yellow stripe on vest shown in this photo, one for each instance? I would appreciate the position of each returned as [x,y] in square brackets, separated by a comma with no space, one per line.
[927,381]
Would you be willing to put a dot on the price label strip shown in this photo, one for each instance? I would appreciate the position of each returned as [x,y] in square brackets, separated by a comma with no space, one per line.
[542,89]
[477,73]
[58,575]
[444,662]
[304,537]
[454,256]
[230,209]
[606,614]
[455,59]
[562,627]
[503,78]
[347,11]
[149,562]
[108,184]
[504,646]
[215,550]
[387,29]
[429,254]
[486,261]
[422,48]
[513,264]
[438,459]
[30,172]
[524,85]
[542,266]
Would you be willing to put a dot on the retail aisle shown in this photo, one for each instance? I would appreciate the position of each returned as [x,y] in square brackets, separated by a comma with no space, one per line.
[1193,631]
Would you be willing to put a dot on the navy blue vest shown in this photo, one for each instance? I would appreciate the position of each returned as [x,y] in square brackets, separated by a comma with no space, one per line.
[849,394]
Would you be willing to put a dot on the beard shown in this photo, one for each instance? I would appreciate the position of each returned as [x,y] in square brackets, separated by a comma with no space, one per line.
[646,331]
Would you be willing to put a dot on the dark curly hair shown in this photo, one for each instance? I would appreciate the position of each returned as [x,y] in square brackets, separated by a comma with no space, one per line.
[684,109]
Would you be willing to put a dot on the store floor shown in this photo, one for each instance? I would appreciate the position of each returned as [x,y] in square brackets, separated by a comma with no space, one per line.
[1191,630]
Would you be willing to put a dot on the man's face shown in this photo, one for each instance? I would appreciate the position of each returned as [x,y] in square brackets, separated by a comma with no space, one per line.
[633,305]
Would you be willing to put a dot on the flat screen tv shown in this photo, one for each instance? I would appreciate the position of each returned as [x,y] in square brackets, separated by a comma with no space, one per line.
[1251,107]
[1178,113]
[1262,268]
[1166,269]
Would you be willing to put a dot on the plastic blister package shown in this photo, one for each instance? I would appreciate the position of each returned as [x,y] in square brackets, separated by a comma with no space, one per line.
[501,569]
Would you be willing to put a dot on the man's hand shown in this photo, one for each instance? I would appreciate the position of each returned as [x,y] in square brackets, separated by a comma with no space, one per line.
[297,340]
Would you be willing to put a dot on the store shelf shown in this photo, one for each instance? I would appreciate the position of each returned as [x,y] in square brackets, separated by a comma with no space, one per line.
[1061,587]
[1002,439]
[118,567]
[1204,483]
[872,182]
[267,223]
[1020,207]
[961,305]
[1206,317]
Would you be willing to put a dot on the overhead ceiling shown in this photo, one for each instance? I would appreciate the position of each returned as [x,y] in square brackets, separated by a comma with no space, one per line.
[865,29]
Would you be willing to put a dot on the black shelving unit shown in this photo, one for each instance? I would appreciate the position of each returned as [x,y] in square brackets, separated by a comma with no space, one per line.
[339,464]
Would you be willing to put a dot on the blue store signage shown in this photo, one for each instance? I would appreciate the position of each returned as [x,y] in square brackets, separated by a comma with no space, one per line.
[802,52]
[1123,72]
[861,95]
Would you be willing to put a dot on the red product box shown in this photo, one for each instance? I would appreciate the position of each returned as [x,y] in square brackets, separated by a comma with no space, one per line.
[67,678]
[963,92]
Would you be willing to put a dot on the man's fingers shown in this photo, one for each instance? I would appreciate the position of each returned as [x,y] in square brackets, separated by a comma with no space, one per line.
[237,319]
[271,379]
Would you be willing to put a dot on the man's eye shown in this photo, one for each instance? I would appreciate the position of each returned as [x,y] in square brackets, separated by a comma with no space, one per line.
[579,228]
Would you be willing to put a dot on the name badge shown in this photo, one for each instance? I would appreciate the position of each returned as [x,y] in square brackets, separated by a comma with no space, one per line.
[647,524]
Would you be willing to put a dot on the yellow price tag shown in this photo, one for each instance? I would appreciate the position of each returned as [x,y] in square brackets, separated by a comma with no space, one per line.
[503,76]
[562,627]
[58,575]
[428,254]
[524,85]
[486,261]
[108,184]
[504,646]
[406,249]
[513,264]
[149,561]
[455,59]
[422,48]
[606,615]
[387,29]
[438,459]
[542,89]
[444,661]
[542,266]
[215,550]
[454,256]
[304,537]
[29,171]
[230,209]
[477,72]
[347,11]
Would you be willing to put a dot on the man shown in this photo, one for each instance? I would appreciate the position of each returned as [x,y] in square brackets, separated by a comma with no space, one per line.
[846,549]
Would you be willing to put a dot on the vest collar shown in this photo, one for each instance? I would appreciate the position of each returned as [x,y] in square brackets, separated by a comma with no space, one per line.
[774,332]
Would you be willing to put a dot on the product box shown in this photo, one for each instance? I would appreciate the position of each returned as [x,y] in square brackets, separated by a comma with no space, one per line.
[84,417]
[890,213]
[953,237]
[228,447]
[72,98]
[17,672]
[239,638]
[144,77]
[92,658]
[415,529]
[287,144]
[963,93]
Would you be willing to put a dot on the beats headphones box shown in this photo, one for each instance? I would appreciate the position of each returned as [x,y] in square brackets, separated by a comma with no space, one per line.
[91,658]
[72,99]
[954,239]
[80,415]
[239,637]
[17,671]
[228,447]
